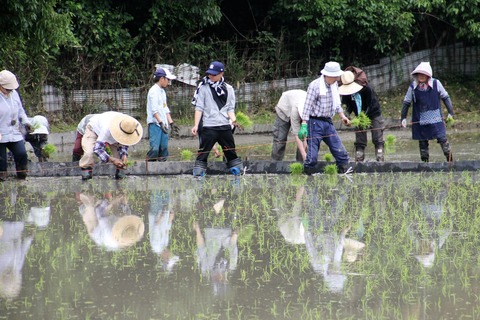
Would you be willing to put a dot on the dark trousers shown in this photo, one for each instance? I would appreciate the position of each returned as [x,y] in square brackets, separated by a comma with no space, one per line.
[377,134]
[19,155]
[208,138]
[280,136]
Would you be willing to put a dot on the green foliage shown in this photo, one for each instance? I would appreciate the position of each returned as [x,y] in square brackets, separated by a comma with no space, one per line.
[296,168]
[330,169]
[328,157]
[186,155]
[389,146]
[362,121]
[49,149]
[243,120]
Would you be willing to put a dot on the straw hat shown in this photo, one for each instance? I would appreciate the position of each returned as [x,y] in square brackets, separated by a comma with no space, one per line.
[128,230]
[349,86]
[352,248]
[126,130]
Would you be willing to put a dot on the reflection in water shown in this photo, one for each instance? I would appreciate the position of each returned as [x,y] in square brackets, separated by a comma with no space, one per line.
[428,233]
[217,250]
[13,249]
[160,218]
[109,221]
[15,238]
[325,238]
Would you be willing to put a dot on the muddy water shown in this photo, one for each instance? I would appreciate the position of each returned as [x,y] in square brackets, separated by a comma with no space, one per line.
[391,246]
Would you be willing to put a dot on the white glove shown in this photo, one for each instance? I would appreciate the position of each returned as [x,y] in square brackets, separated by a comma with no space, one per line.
[404,123]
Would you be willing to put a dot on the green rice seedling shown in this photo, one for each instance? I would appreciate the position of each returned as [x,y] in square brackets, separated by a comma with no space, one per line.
[390,141]
[328,157]
[296,168]
[243,120]
[186,155]
[49,149]
[362,121]
[450,121]
[330,169]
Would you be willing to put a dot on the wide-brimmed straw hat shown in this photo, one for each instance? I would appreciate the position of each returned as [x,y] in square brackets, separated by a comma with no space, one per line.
[349,86]
[126,130]
[128,230]
[423,68]
[332,69]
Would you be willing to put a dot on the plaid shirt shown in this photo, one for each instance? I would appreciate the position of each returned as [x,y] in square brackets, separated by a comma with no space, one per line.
[317,105]
[99,150]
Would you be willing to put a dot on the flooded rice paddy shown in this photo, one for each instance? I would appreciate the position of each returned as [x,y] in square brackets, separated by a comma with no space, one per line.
[376,246]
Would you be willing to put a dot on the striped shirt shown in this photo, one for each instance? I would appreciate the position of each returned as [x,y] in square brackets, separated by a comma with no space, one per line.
[317,105]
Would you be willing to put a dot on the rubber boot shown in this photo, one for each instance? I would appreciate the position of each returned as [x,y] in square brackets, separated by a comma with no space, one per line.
[200,169]
[359,154]
[120,174]
[424,154]
[379,154]
[87,173]
[447,151]
[22,173]
[235,166]
[343,168]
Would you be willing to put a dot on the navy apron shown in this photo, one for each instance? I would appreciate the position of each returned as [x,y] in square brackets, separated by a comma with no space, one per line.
[427,120]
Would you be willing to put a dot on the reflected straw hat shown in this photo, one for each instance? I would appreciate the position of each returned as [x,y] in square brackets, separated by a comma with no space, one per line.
[126,130]
[128,230]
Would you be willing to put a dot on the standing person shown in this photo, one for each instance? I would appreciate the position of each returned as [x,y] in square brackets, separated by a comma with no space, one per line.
[12,117]
[427,123]
[288,111]
[158,116]
[110,129]
[77,152]
[321,104]
[214,102]
[39,137]
[359,96]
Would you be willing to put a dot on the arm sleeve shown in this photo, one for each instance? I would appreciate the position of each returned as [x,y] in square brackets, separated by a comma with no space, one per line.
[407,101]
[445,97]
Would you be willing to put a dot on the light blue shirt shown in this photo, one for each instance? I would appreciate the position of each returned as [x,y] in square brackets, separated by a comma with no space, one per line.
[157,103]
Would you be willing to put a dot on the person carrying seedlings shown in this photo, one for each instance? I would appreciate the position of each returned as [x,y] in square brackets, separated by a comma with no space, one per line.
[321,104]
[360,98]
[39,137]
[12,120]
[288,111]
[159,119]
[425,92]
[214,102]
[106,132]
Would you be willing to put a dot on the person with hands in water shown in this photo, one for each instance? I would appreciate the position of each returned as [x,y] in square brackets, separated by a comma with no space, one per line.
[214,102]
[112,132]
[159,119]
[425,92]
[321,104]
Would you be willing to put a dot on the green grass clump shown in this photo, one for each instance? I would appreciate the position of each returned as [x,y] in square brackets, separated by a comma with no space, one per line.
[296,168]
[243,120]
[450,121]
[186,155]
[362,121]
[49,149]
[330,169]
[390,141]
[328,157]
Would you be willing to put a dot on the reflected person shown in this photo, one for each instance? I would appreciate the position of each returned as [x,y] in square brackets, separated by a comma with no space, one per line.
[109,221]
[160,219]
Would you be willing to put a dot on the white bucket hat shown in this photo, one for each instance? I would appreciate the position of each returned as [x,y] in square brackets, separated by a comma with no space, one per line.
[349,86]
[332,69]
[8,80]
[40,123]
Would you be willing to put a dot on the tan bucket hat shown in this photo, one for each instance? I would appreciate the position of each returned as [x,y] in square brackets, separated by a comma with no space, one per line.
[349,86]
[128,230]
[8,80]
